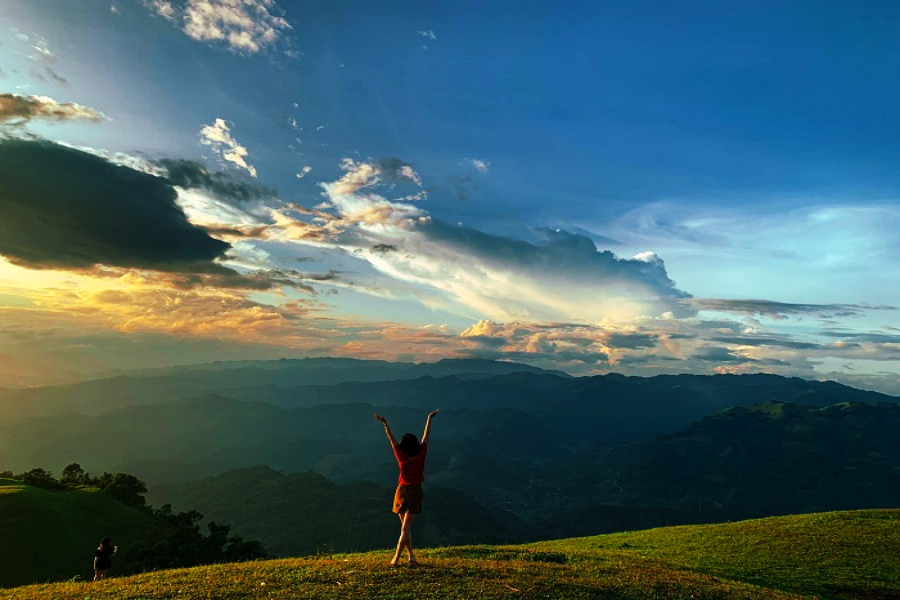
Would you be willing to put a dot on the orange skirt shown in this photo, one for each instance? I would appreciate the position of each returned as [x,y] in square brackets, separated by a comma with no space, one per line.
[408,498]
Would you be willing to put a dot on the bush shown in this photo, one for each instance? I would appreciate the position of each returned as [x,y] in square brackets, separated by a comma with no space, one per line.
[41,478]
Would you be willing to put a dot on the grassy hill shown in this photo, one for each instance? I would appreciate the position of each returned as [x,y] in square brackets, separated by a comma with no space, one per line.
[832,556]
[48,536]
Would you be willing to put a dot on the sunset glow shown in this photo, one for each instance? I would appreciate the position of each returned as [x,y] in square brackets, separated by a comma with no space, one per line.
[408,182]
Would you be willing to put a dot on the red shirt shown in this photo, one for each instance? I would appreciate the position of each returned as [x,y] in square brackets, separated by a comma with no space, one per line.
[412,469]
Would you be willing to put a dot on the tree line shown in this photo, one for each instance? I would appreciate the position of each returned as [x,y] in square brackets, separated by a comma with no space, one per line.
[175,541]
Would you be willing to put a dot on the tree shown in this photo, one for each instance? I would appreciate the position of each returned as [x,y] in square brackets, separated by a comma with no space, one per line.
[125,488]
[41,478]
[74,475]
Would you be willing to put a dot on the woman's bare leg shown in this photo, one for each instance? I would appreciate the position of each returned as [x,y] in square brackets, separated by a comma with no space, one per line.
[405,541]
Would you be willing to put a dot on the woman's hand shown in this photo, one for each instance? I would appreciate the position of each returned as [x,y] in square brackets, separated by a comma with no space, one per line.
[382,419]
[432,413]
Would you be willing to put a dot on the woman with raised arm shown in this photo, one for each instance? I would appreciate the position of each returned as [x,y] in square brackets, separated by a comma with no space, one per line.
[410,455]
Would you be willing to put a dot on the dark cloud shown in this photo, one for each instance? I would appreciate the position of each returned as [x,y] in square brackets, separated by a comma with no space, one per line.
[464,186]
[383,248]
[488,341]
[331,275]
[65,208]
[646,359]
[720,355]
[631,340]
[263,280]
[397,170]
[549,358]
[600,240]
[782,309]
[56,76]
[726,356]
[225,186]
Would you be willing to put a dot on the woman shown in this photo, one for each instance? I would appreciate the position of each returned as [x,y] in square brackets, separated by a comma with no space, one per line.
[103,558]
[410,455]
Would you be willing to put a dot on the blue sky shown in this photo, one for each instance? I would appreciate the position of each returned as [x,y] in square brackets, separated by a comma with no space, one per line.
[640,187]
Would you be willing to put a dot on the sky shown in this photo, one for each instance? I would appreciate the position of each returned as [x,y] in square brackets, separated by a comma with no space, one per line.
[636,186]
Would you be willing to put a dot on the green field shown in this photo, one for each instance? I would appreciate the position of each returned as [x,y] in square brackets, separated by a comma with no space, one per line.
[847,555]
[49,536]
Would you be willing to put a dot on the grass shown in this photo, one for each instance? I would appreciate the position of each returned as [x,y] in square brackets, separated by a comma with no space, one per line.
[49,536]
[846,555]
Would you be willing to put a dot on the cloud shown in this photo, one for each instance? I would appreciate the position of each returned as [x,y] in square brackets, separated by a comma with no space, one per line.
[783,341]
[427,33]
[481,275]
[482,166]
[874,337]
[218,137]
[42,51]
[565,277]
[780,310]
[304,172]
[193,174]
[557,301]
[56,76]
[17,110]
[365,174]
[65,208]
[244,26]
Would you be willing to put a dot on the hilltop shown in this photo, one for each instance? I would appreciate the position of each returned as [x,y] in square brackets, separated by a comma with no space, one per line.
[48,536]
[836,556]
[49,531]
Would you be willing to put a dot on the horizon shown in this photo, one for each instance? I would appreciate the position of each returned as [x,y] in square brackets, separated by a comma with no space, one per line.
[150,371]
[628,188]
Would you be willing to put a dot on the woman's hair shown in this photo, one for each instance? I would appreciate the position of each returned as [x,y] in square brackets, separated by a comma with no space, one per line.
[105,542]
[409,444]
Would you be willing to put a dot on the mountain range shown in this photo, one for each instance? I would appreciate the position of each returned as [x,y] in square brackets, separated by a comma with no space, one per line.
[542,454]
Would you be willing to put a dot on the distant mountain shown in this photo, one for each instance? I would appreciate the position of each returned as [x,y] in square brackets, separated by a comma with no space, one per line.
[164,385]
[305,513]
[771,458]
[499,425]
[605,408]
[212,434]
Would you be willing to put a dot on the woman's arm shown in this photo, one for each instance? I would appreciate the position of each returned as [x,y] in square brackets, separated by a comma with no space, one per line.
[387,429]
[428,425]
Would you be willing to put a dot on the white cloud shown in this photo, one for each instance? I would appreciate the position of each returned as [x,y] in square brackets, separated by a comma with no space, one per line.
[42,51]
[244,26]
[304,172]
[218,137]
[471,273]
[482,166]
[163,8]
[428,33]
